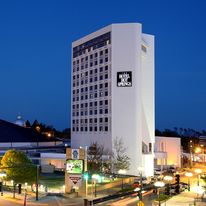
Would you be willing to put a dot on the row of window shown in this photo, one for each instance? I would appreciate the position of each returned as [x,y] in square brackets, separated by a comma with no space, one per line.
[90,112]
[94,43]
[90,129]
[91,120]
[91,88]
[91,72]
[90,80]
[101,77]
[91,56]
[91,104]
[91,64]
[94,95]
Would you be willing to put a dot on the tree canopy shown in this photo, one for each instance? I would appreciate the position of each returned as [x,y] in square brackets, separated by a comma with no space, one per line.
[18,167]
[120,159]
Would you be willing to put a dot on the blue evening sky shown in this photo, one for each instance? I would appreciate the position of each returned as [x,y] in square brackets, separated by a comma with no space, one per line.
[35,55]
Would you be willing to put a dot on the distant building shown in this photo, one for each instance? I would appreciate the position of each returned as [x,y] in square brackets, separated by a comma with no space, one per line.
[41,149]
[113,92]
[20,121]
[167,152]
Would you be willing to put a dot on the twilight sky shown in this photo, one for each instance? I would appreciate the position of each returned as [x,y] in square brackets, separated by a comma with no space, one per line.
[35,55]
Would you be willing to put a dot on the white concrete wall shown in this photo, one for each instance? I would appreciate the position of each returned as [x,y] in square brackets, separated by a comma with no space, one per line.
[126,101]
[171,146]
[132,107]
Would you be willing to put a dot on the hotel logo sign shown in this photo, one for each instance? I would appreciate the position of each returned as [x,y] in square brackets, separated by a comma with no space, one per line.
[124,79]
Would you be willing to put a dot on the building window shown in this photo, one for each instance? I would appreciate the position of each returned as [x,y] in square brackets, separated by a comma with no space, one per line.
[106,129]
[90,129]
[150,147]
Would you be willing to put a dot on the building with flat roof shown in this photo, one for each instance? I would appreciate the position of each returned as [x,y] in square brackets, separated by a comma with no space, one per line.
[113,92]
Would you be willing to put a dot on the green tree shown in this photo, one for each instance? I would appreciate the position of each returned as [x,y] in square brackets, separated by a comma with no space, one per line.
[120,159]
[18,167]
[95,157]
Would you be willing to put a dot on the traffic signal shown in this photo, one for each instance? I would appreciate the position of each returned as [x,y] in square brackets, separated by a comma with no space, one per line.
[19,188]
[177,178]
[177,182]
[0,186]
[86,175]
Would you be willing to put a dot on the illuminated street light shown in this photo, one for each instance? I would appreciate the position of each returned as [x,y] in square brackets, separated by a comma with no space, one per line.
[95,178]
[188,174]
[168,179]
[140,169]
[122,172]
[159,184]
[198,171]
[197,150]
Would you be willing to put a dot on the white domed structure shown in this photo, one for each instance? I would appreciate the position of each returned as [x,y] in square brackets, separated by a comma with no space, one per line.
[20,121]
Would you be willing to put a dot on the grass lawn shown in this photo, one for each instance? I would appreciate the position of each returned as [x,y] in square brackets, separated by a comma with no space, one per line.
[54,180]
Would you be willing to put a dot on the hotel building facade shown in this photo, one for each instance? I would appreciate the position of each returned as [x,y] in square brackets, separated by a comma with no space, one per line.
[113,92]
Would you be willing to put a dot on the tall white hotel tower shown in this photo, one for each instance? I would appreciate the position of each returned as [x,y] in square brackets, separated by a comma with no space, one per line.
[113,92]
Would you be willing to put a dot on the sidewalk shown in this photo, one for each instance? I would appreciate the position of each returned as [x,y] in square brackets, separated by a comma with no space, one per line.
[184,199]
[19,198]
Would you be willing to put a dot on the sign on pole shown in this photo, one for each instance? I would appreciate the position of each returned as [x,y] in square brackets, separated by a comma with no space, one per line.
[140,203]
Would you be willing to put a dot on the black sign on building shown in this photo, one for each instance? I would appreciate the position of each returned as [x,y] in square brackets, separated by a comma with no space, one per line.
[124,79]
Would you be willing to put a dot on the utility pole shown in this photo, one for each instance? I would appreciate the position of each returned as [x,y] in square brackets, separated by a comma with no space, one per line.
[37,182]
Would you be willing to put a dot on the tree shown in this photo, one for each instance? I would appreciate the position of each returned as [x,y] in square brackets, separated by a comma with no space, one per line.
[27,124]
[95,157]
[120,159]
[18,167]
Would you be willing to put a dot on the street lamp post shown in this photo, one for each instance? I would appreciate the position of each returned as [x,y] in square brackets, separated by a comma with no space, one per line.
[2,175]
[191,153]
[122,172]
[140,169]
[188,174]
[95,178]
[159,184]
[168,178]
[198,171]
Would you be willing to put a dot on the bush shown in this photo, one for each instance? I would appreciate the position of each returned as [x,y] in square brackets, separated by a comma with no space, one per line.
[162,197]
